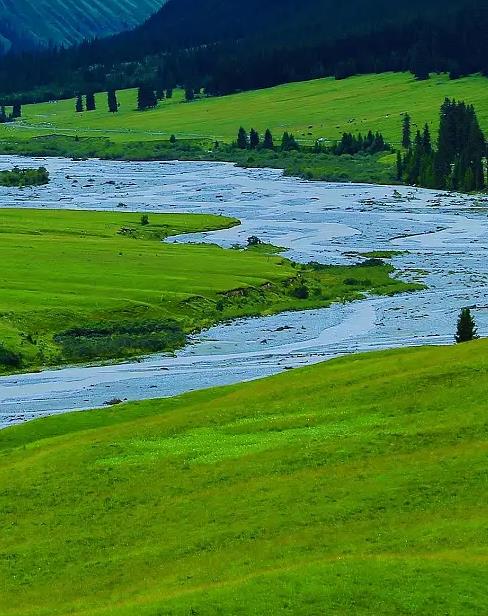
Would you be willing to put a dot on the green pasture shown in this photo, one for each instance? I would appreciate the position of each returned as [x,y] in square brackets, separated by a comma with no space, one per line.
[322,108]
[355,487]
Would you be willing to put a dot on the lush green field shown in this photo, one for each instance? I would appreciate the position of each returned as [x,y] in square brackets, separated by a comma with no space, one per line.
[353,487]
[79,286]
[321,108]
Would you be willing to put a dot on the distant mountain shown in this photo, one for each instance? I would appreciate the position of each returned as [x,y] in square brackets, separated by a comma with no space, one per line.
[31,23]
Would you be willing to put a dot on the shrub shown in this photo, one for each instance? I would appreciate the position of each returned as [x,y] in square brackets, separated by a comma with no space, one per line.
[301,292]
[9,359]
[253,241]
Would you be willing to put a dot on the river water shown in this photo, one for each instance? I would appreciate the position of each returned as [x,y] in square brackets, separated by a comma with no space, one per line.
[445,236]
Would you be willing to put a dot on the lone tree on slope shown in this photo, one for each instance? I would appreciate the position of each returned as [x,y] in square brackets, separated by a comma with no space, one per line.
[79,104]
[113,105]
[466,327]
[17,110]
[90,102]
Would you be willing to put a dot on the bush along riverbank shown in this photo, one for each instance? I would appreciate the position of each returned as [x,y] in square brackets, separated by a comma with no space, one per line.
[24,177]
[379,168]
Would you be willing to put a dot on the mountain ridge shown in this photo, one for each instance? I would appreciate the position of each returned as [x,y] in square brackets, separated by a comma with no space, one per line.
[27,24]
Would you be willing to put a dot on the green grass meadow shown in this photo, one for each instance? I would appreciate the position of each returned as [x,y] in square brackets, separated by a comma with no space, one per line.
[322,108]
[82,286]
[354,487]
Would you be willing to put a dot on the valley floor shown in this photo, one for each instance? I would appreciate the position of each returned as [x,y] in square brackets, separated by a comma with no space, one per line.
[352,487]
[89,286]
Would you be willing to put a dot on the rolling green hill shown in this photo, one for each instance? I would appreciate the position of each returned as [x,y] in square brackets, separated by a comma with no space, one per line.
[314,109]
[32,22]
[353,487]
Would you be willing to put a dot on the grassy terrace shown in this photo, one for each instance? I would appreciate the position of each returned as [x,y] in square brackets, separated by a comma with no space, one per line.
[81,286]
[353,487]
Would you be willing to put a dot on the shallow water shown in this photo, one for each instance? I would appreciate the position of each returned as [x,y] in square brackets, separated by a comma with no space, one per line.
[446,237]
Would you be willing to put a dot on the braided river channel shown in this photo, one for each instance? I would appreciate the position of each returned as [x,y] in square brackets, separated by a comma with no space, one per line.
[443,238]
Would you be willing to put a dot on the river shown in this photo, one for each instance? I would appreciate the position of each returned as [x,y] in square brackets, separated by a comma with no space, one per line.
[444,236]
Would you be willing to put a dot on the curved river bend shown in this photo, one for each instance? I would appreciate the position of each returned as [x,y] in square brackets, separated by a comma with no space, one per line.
[446,237]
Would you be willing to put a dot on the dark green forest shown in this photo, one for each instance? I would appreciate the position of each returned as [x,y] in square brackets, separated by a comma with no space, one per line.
[228,46]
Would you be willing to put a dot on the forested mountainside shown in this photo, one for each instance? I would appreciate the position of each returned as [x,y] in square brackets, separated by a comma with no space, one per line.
[228,45]
[28,24]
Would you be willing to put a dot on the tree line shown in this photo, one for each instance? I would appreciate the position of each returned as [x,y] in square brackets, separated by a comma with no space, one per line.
[350,144]
[257,57]
[458,160]
[355,144]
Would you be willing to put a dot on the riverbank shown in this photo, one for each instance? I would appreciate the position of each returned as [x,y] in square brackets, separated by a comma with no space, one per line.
[365,168]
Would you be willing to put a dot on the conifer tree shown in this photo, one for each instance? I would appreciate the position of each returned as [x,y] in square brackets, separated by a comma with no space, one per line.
[169,93]
[268,140]
[242,141]
[146,98]
[17,110]
[189,95]
[90,102]
[426,140]
[288,142]
[79,104]
[466,327]
[253,139]
[406,132]
[113,105]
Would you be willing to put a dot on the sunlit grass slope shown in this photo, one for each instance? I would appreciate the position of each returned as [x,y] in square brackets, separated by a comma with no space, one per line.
[353,487]
[320,108]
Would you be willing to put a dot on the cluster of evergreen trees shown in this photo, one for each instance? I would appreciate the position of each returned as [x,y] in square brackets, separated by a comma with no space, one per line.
[458,162]
[252,141]
[351,144]
[148,96]
[13,115]
[372,143]
[88,103]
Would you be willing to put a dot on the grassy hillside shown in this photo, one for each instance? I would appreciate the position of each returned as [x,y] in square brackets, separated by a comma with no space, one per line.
[353,487]
[322,108]
[79,286]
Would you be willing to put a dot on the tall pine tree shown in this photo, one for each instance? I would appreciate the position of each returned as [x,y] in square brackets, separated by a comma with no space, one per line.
[242,141]
[79,104]
[113,105]
[406,132]
[466,327]
[90,102]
